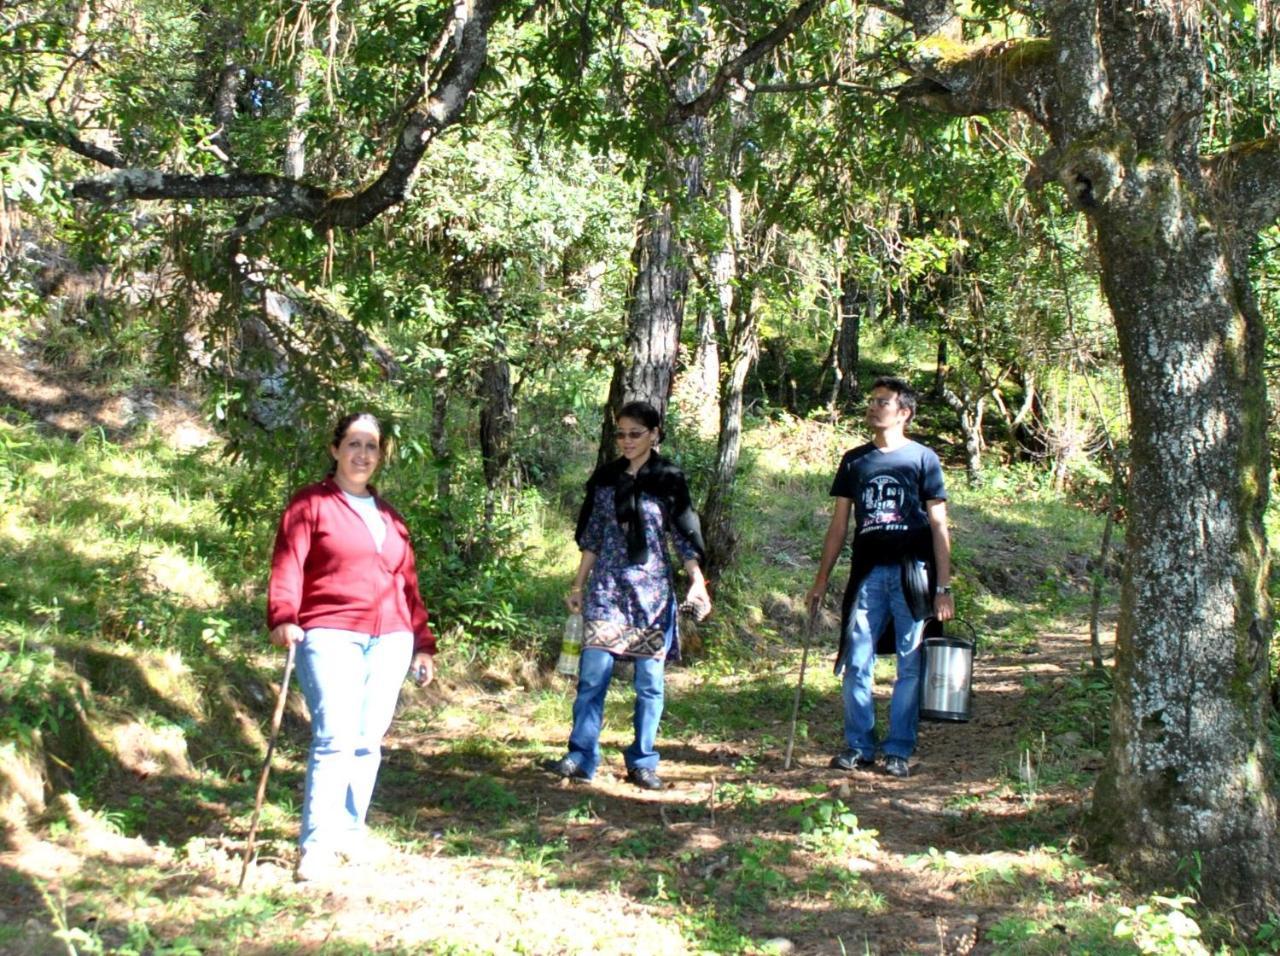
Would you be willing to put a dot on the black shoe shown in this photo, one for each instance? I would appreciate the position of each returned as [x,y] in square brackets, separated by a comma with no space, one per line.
[852,760]
[568,768]
[897,767]
[645,778]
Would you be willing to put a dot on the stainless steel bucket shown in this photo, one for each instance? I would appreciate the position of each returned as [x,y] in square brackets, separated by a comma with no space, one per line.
[947,682]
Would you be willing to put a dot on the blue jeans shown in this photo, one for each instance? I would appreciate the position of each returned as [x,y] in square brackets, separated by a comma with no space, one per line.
[351,683]
[880,598]
[595,670]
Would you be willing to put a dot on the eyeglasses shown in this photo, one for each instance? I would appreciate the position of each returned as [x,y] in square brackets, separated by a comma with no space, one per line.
[631,435]
[881,402]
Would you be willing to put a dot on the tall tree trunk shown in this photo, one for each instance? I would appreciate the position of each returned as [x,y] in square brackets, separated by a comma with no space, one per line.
[655,312]
[1119,87]
[704,376]
[497,404]
[1187,776]
[222,71]
[969,406]
[941,367]
[717,512]
[1186,773]
[439,438]
[295,143]
[740,330]
[852,304]
[497,427]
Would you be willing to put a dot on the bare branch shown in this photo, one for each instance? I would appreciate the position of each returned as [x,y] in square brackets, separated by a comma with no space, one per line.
[124,184]
[295,199]
[63,136]
[442,109]
[734,68]
[839,81]
[808,86]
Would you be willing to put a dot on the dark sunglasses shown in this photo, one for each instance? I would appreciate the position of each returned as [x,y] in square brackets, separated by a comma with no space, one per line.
[632,435]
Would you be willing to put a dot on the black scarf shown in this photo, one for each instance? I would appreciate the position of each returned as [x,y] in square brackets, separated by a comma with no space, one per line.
[658,477]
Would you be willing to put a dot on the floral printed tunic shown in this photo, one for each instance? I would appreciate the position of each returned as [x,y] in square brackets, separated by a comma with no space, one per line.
[630,609]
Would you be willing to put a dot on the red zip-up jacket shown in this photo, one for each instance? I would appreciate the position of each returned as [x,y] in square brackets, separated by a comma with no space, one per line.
[326,572]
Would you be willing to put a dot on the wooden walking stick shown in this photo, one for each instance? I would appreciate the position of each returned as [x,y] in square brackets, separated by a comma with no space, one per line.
[795,707]
[266,764]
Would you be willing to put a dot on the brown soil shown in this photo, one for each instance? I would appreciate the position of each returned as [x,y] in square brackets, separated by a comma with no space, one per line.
[496,903]
[73,404]
[926,911]
[962,799]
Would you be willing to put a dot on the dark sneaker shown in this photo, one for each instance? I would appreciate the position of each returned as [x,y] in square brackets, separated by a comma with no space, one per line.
[852,760]
[568,768]
[645,778]
[897,767]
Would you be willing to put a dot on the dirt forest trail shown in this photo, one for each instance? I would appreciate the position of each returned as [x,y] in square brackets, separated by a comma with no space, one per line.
[488,853]
[958,805]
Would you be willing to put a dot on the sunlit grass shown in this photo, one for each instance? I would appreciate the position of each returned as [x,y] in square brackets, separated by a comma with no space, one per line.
[138,530]
[97,526]
[996,875]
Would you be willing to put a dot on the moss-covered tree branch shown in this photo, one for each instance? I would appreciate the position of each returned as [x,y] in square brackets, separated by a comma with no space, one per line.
[969,81]
[1244,182]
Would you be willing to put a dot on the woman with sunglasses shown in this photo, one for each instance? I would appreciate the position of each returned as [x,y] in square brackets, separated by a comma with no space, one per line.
[625,590]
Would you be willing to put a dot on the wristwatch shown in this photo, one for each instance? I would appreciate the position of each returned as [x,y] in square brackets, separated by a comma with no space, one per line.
[943,589]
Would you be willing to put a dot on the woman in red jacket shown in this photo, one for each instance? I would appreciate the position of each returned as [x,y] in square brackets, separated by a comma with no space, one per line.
[344,590]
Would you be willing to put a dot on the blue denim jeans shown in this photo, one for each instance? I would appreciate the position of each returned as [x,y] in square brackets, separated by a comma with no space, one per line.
[879,599]
[595,670]
[351,683]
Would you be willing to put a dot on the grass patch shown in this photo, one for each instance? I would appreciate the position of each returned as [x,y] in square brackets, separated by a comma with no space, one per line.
[158,584]
[1158,924]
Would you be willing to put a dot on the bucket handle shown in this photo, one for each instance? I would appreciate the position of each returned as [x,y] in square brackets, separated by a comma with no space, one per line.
[973,632]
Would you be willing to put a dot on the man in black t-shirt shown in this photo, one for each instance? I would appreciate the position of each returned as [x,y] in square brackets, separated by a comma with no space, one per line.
[894,488]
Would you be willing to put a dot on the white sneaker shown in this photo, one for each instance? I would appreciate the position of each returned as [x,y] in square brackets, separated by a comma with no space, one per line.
[367,850]
[316,866]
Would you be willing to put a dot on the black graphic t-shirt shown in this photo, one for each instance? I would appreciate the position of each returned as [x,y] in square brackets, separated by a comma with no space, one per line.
[889,491]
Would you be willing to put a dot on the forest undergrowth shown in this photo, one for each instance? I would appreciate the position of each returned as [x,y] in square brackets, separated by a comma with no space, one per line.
[136,686]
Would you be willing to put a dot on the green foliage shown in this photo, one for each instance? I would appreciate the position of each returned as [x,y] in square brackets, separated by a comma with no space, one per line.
[1267,936]
[34,693]
[643,844]
[759,877]
[747,797]
[486,795]
[1164,925]
[1079,705]
[824,816]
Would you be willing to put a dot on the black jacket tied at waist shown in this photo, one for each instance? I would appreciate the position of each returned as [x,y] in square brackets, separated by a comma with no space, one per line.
[917,546]
[658,477]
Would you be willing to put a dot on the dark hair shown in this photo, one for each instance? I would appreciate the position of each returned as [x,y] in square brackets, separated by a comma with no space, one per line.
[642,412]
[344,425]
[906,394]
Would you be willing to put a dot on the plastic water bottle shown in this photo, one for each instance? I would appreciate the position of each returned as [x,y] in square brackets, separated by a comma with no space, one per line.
[570,646]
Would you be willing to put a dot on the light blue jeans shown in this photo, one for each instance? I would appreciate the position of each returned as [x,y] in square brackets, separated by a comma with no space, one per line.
[880,598]
[595,671]
[351,683]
